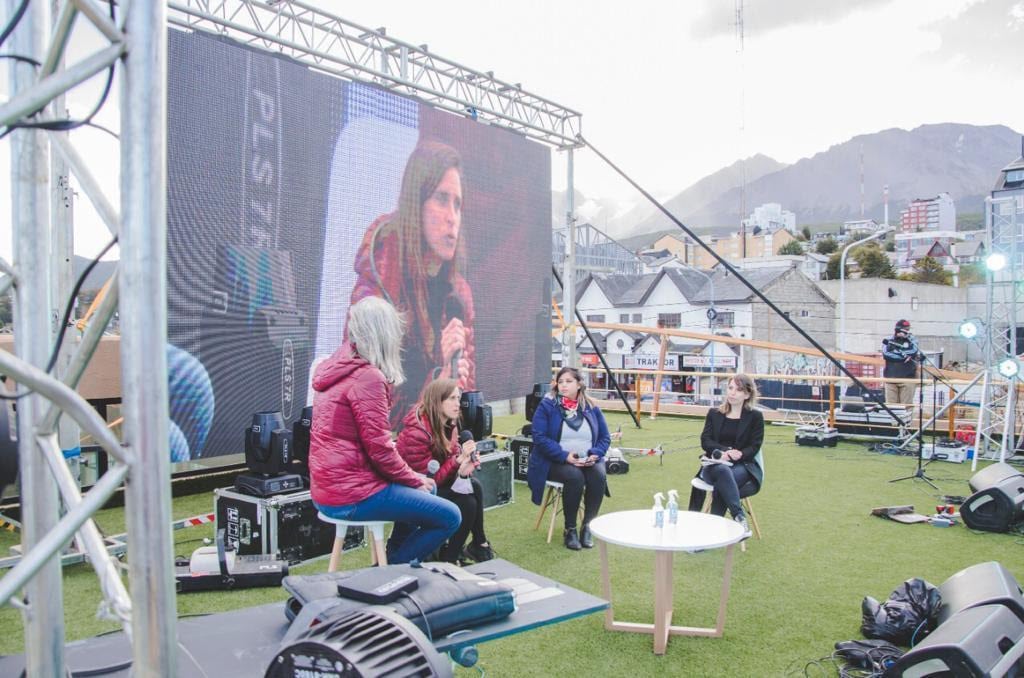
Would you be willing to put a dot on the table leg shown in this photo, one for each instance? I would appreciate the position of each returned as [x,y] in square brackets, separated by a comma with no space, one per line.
[724,598]
[662,599]
[606,585]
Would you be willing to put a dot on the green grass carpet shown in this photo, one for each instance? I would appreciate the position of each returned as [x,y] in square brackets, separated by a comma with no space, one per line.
[794,593]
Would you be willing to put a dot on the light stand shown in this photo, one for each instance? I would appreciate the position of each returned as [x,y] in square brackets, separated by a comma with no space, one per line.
[919,474]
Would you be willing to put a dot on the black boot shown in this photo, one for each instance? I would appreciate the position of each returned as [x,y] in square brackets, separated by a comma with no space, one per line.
[586,538]
[572,541]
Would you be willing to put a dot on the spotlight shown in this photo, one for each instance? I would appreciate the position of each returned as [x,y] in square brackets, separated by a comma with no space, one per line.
[995,261]
[1009,368]
[969,328]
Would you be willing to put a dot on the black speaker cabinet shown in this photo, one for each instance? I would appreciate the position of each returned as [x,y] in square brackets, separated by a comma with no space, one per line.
[992,476]
[982,584]
[975,643]
[996,508]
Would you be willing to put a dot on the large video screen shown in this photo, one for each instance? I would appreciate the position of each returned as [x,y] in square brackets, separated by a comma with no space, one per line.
[293,194]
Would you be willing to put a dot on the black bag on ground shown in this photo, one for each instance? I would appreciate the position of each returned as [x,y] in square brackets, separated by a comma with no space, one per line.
[909,613]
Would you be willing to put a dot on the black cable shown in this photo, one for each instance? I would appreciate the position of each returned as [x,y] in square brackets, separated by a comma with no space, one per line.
[68,125]
[731,269]
[426,622]
[15,20]
[71,303]
[22,59]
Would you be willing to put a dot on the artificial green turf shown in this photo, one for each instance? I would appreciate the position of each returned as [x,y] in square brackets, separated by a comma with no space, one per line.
[794,593]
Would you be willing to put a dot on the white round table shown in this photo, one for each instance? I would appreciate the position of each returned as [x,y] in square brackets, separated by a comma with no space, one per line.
[693,532]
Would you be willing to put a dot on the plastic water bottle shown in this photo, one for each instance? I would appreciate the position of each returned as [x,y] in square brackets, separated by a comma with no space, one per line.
[673,507]
[658,510]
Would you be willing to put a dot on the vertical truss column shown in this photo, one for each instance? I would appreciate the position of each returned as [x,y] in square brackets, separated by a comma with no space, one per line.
[143,303]
[569,269]
[30,173]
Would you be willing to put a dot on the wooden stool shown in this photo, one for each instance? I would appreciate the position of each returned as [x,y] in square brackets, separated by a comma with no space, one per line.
[552,498]
[699,484]
[375,528]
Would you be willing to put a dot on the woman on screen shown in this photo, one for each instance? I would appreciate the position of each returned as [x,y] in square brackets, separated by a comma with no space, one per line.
[411,258]
[355,472]
[570,439]
[732,438]
[430,432]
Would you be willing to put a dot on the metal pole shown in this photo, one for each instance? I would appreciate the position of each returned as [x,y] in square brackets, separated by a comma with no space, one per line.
[144,337]
[569,269]
[842,284]
[30,201]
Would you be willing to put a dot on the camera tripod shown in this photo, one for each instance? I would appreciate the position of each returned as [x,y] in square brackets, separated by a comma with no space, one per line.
[919,474]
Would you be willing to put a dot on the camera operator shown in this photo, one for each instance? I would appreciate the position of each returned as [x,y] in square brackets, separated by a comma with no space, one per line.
[901,354]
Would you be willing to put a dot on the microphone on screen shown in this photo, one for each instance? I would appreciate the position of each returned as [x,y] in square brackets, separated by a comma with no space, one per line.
[454,309]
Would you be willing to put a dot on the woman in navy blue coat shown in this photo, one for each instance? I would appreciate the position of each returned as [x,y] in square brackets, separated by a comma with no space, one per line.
[570,439]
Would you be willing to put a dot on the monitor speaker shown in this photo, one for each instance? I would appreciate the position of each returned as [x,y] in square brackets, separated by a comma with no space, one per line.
[996,508]
[992,476]
[982,584]
[977,642]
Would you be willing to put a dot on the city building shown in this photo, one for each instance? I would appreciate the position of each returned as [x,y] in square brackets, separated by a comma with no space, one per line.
[771,217]
[1008,209]
[929,214]
[730,247]
[861,226]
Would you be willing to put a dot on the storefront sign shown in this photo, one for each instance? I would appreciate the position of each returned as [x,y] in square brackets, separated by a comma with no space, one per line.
[705,361]
[650,362]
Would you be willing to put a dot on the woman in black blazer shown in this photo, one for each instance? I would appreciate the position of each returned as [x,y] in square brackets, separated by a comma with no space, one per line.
[733,433]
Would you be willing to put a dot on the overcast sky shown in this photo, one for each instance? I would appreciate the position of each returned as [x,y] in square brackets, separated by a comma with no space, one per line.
[666,93]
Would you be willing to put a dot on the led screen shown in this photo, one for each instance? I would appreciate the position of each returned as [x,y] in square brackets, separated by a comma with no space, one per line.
[286,205]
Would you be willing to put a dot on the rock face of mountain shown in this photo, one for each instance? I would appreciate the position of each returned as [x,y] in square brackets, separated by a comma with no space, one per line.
[97,277]
[962,160]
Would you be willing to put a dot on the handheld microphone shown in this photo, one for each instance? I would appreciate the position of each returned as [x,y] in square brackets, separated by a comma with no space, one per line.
[432,468]
[454,309]
[465,435]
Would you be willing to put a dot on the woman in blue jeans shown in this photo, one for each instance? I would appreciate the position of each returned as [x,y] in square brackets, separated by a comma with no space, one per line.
[355,471]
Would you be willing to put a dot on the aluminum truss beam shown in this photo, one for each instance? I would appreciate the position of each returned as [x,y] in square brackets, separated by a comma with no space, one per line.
[329,43]
[996,430]
[149,614]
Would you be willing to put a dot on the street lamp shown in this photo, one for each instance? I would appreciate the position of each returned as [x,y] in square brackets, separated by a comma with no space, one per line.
[842,282]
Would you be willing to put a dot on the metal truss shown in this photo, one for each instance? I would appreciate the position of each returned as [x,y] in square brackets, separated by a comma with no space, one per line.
[329,43]
[996,429]
[141,460]
[595,252]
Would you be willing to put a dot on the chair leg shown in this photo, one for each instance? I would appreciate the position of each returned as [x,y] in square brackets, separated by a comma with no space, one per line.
[378,554]
[556,501]
[753,518]
[544,507]
[339,543]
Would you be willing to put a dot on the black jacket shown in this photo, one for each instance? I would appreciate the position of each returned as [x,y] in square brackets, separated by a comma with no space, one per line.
[749,438]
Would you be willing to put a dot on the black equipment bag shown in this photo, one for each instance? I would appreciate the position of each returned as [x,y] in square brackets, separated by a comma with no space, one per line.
[909,613]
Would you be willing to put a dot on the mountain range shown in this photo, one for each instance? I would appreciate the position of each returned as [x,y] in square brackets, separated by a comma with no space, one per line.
[962,160]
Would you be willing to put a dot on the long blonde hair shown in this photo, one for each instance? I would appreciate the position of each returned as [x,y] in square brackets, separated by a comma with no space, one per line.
[430,407]
[747,384]
[376,329]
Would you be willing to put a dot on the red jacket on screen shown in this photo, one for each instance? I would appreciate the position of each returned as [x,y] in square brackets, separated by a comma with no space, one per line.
[414,446]
[381,274]
[351,454]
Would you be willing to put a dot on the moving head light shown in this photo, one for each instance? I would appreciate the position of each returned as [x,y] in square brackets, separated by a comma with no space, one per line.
[268,455]
[475,415]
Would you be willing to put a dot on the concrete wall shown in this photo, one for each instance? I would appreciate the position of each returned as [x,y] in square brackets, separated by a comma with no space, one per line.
[808,306]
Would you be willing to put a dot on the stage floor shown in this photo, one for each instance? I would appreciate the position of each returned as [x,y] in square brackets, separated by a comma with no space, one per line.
[242,642]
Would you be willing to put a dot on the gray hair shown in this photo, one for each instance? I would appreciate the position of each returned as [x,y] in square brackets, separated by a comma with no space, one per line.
[376,328]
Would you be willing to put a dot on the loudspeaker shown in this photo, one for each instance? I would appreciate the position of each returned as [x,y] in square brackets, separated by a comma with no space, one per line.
[992,476]
[996,508]
[978,642]
[982,584]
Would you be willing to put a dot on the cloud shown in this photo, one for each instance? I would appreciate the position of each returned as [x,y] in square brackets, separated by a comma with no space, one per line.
[719,17]
[986,34]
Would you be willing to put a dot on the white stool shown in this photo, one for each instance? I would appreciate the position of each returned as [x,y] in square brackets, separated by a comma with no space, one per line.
[698,484]
[552,498]
[375,528]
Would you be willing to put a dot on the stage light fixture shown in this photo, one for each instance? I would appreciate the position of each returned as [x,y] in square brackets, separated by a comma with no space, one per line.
[970,328]
[1009,367]
[995,261]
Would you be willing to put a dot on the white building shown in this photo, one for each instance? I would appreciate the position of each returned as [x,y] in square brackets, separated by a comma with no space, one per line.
[770,217]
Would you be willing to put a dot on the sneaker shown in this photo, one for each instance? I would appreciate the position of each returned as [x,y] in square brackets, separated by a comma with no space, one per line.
[572,540]
[586,538]
[742,520]
[480,552]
